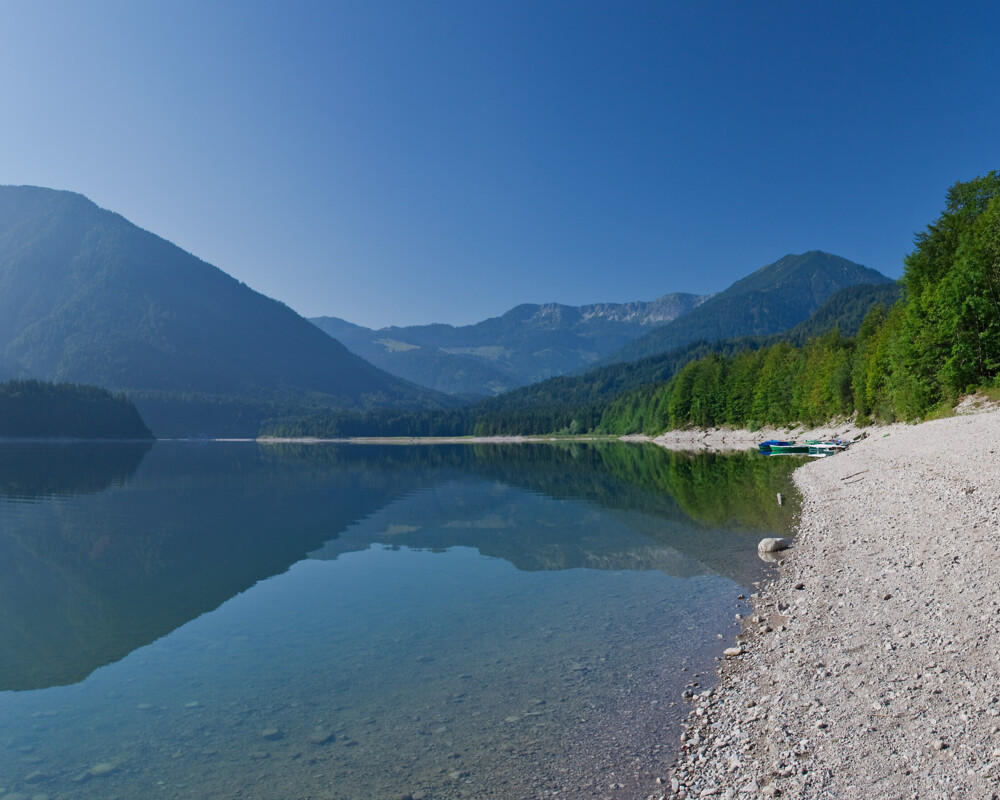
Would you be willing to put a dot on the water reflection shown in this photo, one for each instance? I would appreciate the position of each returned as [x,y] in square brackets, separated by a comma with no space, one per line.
[487,622]
[32,470]
[104,561]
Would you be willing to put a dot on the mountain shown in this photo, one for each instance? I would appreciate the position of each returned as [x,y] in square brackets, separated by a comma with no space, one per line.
[88,297]
[577,403]
[773,299]
[527,344]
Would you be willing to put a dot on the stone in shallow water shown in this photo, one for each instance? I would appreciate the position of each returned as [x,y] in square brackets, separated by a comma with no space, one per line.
[272,734]
[773,544]
[321,735]
[102,770]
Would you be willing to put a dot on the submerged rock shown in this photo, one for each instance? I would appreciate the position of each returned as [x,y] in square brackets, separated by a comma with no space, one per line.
[321,735]
[102,770]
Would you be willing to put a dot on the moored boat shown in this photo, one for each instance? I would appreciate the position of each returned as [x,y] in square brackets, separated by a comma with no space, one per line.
[765,447]
[826,447]
[789,448]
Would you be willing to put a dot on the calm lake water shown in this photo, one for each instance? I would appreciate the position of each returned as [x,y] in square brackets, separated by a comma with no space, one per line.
[334,621]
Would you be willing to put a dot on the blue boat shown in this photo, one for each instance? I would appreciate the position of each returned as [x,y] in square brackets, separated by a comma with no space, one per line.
[765,447]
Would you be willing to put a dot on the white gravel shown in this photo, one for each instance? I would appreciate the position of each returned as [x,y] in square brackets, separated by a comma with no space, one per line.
[871,668]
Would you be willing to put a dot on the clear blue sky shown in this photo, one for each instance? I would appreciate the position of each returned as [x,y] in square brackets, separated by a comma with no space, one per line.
[419,161]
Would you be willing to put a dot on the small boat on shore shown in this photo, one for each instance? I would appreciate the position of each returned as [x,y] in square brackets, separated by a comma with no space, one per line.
[826,447]
[765,447]
[811,447]
[789,448]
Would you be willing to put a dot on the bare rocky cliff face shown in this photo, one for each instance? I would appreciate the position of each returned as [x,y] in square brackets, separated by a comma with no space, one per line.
[655,312]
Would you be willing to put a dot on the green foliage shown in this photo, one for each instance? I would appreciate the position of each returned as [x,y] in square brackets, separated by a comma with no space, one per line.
[777,385]
[947,337]
[30,409]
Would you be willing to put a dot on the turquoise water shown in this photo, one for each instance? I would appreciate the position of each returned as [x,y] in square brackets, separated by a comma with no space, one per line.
[235,620]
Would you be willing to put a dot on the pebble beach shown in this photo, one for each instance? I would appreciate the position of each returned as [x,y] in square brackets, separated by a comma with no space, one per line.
[870,667]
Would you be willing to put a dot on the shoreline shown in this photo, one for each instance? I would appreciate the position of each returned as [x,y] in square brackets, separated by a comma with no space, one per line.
[870,666]
[689,440]
[718,440]
[408,440]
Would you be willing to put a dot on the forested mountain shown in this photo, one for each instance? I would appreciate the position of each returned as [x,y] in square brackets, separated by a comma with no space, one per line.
[88,297]
[773,299]
[30,409]
[527,344]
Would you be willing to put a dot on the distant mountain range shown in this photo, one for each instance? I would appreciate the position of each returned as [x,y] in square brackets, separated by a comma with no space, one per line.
[775,298]
[527,344]
[532,343]
[88,297]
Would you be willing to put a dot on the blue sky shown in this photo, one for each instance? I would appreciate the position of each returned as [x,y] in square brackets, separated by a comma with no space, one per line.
[426,161]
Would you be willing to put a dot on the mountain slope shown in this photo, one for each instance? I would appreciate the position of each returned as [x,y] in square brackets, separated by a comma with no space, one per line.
[527,344]
[88,297]
[775,298]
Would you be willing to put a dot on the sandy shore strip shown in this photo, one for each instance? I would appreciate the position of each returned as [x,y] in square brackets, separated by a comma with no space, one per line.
[871,667]
[727,439]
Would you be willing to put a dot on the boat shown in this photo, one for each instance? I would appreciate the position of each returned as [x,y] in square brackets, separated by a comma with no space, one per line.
[765,447]
[826,447]
[789,448]
[811,447]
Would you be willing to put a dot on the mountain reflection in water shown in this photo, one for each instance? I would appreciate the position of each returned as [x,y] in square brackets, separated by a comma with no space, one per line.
[106,548]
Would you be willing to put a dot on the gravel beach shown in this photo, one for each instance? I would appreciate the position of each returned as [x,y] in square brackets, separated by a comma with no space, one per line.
[871,666]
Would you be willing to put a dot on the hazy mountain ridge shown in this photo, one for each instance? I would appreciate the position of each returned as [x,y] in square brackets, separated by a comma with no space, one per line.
[88,297]
[529,343]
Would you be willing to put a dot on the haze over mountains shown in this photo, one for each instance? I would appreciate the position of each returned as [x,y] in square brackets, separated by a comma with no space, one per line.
[88,297]
[527,344]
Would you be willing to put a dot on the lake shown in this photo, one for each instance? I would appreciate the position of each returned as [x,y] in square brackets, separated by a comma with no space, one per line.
[234,620]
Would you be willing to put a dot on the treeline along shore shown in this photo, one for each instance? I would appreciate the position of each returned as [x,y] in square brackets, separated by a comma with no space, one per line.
[38,410]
